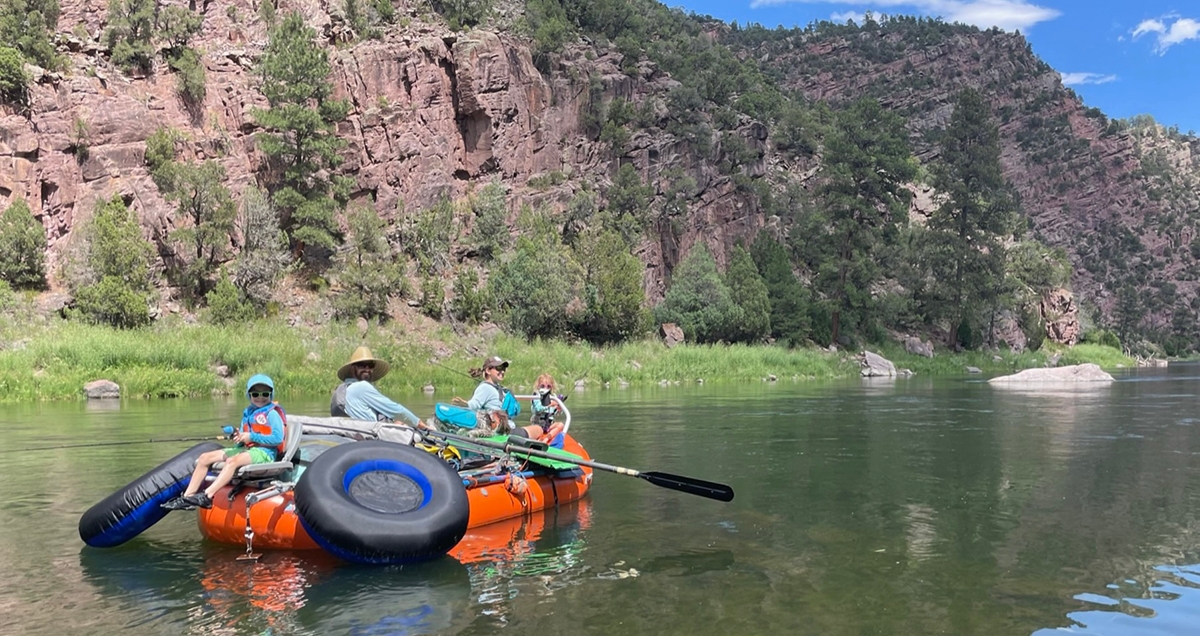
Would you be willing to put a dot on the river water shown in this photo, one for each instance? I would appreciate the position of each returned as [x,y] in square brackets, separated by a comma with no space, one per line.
[920,506]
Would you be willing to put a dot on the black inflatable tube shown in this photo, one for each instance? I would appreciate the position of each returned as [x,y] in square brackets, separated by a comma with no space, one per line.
[129,511]
[354,532]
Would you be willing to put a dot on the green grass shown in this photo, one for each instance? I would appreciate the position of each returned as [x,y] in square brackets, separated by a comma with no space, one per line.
[46,359]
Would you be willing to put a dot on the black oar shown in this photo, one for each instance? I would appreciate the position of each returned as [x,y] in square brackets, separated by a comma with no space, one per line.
[136,441]
[709,489]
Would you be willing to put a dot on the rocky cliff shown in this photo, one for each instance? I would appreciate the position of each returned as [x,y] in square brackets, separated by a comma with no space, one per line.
[437,112]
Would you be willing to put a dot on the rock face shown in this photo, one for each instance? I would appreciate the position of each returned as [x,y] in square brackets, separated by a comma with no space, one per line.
[1072,374]
[876,366]
[672,334]
[918,348]
[102,390]
[1062,317]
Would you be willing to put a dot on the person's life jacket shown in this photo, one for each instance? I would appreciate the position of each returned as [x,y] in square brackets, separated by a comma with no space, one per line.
[337,403]
[256,422]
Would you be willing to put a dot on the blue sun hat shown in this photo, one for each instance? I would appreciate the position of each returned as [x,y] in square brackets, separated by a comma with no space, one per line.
[258,379]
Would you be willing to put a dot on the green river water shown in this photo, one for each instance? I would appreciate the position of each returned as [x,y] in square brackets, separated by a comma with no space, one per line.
[921,506]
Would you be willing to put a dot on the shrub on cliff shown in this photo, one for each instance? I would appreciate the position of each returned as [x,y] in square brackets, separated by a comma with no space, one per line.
[26,25]
[463,14]
[13,81]
[22,247]
[490,233]
[130,29]
[263,256]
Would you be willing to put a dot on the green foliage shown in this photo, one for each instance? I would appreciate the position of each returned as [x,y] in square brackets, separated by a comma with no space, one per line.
[1037,268]
[190,81]
[116,290]
[13,81]
[263,256]
[463,14]
[176,26]
[161,153]
[965,252]
[749,292]
[199,194]
[300,142]
[628,209]
[789,300]
[1102,337]
[227,304]
[80,137]
[266,13]
[27,26]
[365,268]
[1034,328]
[698,300]
[433,296]
[130,29]
[470,300]
[551,30]
[538,290]
[490,233]
[425,235]
[615,301]
[867,163]
[22,247]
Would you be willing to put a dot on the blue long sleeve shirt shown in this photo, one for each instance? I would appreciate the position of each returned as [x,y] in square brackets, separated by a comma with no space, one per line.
[485,398]
[364,401]
[272,440]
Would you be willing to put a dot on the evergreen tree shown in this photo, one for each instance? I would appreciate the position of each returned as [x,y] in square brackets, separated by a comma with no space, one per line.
[200,196]
[22,247]
[469,300]
[130,29]
[967,255]
[698,300]
[365,268]
[301,142]
[26,25]
[749,291]
[790,301]
[227,304]
[118,262]
[867,163]
[613,288]
[14,83]
[628,209]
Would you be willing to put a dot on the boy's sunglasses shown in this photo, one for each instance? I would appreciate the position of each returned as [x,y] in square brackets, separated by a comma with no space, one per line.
[260,394]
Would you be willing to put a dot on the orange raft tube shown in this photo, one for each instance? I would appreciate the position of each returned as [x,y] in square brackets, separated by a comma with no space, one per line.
[277,526]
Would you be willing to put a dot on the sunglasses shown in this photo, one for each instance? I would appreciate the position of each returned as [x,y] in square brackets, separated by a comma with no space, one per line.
[544,386]
[365,365]
[260,394]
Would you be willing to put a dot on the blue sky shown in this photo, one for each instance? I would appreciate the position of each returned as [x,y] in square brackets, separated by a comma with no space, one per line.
[1123,57]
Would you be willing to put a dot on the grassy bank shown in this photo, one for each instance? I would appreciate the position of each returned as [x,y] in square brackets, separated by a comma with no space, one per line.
[53,359]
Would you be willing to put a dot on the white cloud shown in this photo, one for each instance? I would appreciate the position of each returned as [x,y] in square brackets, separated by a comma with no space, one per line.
[1168,31]
[1006,14]
[1076,79]
[842,17]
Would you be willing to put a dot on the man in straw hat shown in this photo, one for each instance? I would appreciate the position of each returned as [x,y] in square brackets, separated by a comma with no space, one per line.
[356,397]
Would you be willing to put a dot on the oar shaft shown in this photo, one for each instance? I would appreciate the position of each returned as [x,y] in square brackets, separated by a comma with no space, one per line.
[514,448]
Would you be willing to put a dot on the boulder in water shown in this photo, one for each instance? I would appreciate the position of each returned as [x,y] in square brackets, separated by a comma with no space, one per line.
[102,390]
[1077,373]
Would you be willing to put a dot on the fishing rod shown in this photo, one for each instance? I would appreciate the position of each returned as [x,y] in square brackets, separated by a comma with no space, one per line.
[122,443]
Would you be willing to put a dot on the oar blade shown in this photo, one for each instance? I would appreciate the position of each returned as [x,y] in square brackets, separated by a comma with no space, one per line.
[690,485]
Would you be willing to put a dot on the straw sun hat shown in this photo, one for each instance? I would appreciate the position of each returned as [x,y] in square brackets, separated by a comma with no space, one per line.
[363,354]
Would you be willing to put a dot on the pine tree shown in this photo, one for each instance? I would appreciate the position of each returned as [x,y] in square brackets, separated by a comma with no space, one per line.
[301,142]
[613,284]
[26,25]
[749,291]
[790,301]
[867,163]
[967,255]
[22,247]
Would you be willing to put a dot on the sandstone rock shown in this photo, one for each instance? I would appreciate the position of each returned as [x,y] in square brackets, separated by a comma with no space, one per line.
[916,347]
[672,334]
[101,390]
[1007,330]
[1070,374]
[428,389]
[1061,314]
[222,371]
[974,370]
[876,366]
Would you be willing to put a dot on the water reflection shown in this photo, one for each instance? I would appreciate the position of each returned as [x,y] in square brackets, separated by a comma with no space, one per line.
[1166,601]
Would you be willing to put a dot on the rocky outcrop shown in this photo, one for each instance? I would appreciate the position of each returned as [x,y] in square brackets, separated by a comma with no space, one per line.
[672,334]
[101,390]
[918,347]
[1062,317]
[1081,373]
[875,366]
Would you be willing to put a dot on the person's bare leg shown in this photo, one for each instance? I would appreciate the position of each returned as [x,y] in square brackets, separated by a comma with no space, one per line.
[202,464]
[226,475]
